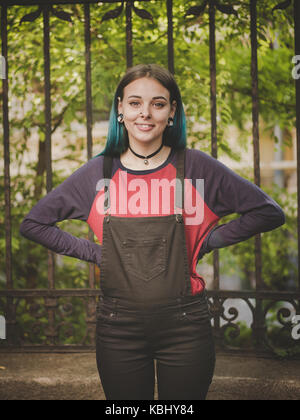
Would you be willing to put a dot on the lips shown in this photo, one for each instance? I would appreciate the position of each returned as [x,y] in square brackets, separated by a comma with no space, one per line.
[145,127]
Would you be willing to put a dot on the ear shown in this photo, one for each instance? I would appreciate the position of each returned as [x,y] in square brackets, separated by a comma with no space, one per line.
[173,109]
[120,106]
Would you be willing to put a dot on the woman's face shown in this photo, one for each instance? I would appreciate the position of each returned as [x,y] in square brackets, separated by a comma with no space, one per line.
[146,108]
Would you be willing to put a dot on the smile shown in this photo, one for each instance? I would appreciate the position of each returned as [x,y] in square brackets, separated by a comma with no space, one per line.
[145,127]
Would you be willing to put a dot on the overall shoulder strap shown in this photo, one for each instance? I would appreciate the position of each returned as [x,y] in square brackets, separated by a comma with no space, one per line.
[180,178]
[107,169]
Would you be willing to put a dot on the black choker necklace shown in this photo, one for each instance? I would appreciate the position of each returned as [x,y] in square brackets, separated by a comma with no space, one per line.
[146,162]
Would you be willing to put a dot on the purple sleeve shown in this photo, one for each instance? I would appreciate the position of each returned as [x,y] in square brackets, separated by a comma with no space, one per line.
[70,200]
[234,194]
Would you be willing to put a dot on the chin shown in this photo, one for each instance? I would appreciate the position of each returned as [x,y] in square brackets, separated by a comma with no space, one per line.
[146,137]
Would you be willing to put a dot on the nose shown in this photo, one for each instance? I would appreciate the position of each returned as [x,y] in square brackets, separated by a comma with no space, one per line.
[145,113]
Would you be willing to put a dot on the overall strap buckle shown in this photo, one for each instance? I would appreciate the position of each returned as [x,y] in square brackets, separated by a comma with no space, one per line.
[179,218]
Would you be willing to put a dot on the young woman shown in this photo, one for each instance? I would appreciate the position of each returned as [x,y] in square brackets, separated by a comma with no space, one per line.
[143,196]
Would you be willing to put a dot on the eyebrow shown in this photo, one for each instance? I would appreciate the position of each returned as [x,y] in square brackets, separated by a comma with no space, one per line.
[155,97]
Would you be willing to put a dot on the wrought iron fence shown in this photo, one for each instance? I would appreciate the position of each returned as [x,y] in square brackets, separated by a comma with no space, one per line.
[56,305]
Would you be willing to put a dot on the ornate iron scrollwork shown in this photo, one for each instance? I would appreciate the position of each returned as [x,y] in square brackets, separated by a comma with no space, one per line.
[60,14]
[115,13]
[282,6]
[196,11]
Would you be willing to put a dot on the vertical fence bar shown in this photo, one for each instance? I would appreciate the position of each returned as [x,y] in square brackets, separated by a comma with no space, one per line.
[255,127]
[129,48]
[213,110]
[89,110]
[48,146]
[214,145]
[88,79]
[50,303]
[297,52]
[213,78]
[255,121]
[171,66]
[91,304]
[47,87]
[258,321]
[7,190]
[10,315]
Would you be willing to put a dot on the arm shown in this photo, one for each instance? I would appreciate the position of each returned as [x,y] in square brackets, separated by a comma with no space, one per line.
[70,200]
[234,194]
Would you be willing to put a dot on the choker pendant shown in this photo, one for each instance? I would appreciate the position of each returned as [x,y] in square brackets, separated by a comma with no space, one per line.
[146,158]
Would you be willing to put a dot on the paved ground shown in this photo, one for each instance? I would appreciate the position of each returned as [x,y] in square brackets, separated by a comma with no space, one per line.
[51,376]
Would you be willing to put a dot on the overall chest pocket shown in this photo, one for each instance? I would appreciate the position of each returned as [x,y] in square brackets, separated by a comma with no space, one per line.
[145,258]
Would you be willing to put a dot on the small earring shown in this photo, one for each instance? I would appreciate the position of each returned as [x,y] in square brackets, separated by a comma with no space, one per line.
[170,122]
[120,118]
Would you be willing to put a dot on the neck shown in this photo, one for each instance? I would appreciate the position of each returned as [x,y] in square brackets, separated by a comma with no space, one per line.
[145,149]
[129,160]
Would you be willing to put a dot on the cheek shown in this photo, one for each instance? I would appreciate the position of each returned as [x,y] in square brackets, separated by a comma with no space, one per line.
[158,116]
[161,115]
[131,115]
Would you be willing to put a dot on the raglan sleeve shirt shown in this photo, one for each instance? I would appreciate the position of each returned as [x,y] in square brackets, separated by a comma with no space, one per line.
[72,199]
[225,192]
[228,193]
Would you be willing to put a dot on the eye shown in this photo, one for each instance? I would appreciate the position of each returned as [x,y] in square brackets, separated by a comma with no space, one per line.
[159,105]
[134,103]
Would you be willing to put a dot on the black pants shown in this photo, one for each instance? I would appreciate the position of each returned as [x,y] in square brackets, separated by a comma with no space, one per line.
[178,335]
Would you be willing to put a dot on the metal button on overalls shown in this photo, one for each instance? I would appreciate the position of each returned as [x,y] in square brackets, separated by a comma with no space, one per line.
[144,259]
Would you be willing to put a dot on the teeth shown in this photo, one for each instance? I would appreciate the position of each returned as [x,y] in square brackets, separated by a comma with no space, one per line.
[145,126]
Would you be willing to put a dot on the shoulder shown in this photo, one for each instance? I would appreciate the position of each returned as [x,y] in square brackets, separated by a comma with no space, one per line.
[196,156]
[202,164]
[91,169]
[92,164]
[83,180]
